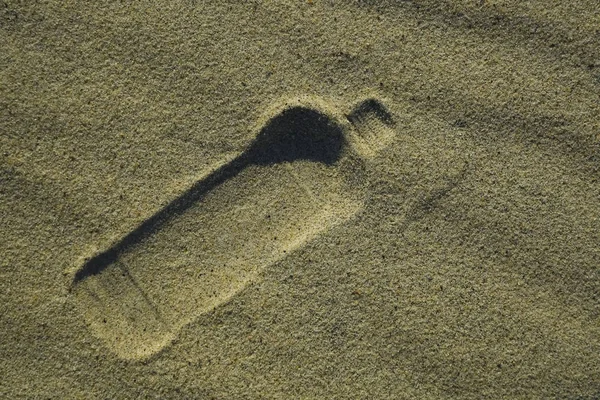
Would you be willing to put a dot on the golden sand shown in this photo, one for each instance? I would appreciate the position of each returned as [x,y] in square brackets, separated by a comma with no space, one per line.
[300,199]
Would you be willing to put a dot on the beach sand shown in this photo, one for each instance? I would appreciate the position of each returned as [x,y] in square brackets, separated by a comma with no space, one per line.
[300,199]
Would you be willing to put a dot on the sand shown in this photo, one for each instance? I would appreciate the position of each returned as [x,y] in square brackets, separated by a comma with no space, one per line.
[300,199]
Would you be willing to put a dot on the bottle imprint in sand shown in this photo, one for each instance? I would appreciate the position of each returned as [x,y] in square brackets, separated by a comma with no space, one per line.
[303,174]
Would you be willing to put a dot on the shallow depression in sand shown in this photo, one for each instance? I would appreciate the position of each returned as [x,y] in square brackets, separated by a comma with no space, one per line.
[299,177]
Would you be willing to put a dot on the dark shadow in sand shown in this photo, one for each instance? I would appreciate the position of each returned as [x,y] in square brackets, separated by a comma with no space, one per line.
[296,134]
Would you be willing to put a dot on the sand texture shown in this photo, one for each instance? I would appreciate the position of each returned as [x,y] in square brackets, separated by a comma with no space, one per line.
[300,199]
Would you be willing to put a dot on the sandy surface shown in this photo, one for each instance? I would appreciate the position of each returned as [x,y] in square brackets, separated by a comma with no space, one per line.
[300,199]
